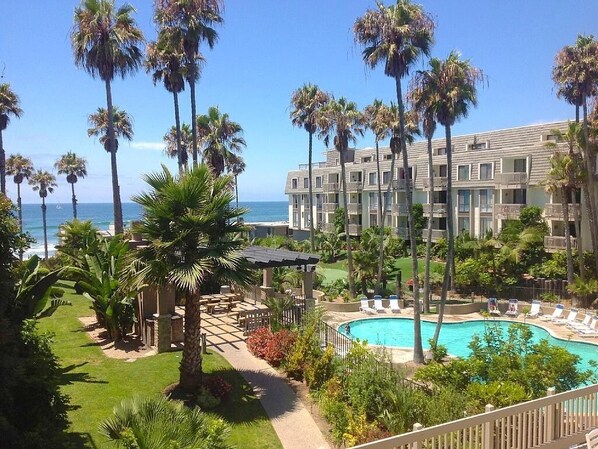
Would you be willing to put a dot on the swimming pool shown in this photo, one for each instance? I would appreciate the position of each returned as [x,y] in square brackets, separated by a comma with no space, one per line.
[398,332]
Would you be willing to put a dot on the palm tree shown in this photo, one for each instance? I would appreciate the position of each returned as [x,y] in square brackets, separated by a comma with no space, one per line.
[43,182]
[306,102]
[191,228]
[451,85]
[576,74]
[397,36]
[157,422]
[221,139]
[20,168]
[236,167]
[9,106]
[379,119]
[73,167]
[193,21]
[423,99]
[106,43]
[342,120]
[171,138]
[165,59]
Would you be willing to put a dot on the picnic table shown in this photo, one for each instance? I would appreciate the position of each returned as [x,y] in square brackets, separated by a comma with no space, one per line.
[226,301]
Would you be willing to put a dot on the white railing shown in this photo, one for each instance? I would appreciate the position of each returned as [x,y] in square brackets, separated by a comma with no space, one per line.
[555,421]
[506,211]
[354,229]
[356,185]
[556,211]
[329,227]
[354,208]
[511,178]
[558,242]
[401,184]
[440,182]
[439,209]
[330,187]
[399,209]
[329,207]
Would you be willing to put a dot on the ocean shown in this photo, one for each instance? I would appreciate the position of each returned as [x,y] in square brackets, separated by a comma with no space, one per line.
[101,215]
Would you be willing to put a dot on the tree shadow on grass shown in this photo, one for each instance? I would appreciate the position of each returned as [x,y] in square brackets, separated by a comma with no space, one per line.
[68,377]
[76,440]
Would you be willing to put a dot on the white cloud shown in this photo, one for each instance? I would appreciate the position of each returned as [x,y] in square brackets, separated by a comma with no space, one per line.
[156,146]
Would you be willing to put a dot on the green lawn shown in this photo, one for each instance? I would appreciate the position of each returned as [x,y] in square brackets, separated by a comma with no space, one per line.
[338,269]
[95,383]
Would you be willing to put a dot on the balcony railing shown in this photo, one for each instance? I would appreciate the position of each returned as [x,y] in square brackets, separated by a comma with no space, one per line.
[354,229]
[401,184]
[556,243]
[508,211]
[354,208]
[329,207]
[439,209]
[437,234]
[328,227]
[330,187]
[354,186]
[399,209]
[295,205]
[556,211]
[511,178]
[440,182]
[313,165]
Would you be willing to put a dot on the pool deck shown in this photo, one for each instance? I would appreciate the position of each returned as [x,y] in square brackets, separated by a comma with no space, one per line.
[405,355]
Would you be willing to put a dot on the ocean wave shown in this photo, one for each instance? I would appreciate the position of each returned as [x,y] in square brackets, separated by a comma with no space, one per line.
[39,250]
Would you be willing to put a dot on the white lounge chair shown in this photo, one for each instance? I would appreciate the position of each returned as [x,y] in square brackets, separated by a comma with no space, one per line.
[591,331]
[570,318]
[394,304]
[513,308]
[365,306]
[534,312]
[576,325]
[378,304]
[558,311]
[493,307]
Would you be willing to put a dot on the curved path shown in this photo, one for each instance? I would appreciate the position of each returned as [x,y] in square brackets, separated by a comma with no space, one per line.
[293,424]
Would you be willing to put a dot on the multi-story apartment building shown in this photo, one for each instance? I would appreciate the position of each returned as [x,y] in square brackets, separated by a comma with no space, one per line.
[495,174]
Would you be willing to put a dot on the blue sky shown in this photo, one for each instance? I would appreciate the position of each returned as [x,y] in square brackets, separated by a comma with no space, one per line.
[267,49]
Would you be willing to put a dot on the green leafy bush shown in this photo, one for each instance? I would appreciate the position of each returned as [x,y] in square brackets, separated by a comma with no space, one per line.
[321,369]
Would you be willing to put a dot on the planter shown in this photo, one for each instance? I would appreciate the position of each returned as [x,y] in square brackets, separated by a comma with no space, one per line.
[340,306]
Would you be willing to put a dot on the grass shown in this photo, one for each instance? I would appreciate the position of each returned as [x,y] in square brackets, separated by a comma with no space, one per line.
[96,383]
[338,269]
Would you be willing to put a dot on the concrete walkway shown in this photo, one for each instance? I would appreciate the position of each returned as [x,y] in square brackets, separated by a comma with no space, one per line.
[292,422]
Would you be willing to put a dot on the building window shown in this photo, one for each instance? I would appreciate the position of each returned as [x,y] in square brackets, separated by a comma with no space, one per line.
[296,201]
[296,219]
[373,200]
[463,172]
[402,173]
[294,183]
[318,181]
[373,219]
[519,196]
[463,225]
[366,159]
[440,151]
[519,165]
[385,177]
[478,146]
[372,178]
[387,200]
[485,226]
[486,171]
[463,196]
[318,201]
[441,171]
[305,183]
[486,200]
[388,157]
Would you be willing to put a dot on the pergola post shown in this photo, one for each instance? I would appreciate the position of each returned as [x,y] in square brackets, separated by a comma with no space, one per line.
[308,290]
[267,289]
[163,317]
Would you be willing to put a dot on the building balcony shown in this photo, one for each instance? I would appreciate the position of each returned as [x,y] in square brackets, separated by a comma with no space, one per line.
[513,180]
[440,210]
[401,184]
[356,186]
[330,187]
[296,206]
[313,165]
[508,211]
[440,183]
[329,207]
[402,232]
[437,234]
[354,229]
[354,208]
[328,227]
[558,243]
[399,209]
[555,211]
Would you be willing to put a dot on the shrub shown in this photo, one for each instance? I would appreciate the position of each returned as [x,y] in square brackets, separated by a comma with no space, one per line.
[321,369]
[206,400]
[257,342]
[278,346]
[304,351]
[218,387]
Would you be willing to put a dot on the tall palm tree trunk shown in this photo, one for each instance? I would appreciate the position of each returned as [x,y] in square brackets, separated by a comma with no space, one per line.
[589,191]
[236,192]
[2,166]
[381,222]
[448,268]
[427,289]
[568,249]
[74,200]
[45,228]
[193,122]
[118,210]
[347,236]
[418,352]
[20,206]
[310,202]
[190,368]
[577,221]
[177,122]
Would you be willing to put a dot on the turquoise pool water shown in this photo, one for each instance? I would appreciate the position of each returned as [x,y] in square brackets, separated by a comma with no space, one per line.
[398,332]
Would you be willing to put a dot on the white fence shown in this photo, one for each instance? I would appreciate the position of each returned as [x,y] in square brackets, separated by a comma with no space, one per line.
[555,421]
